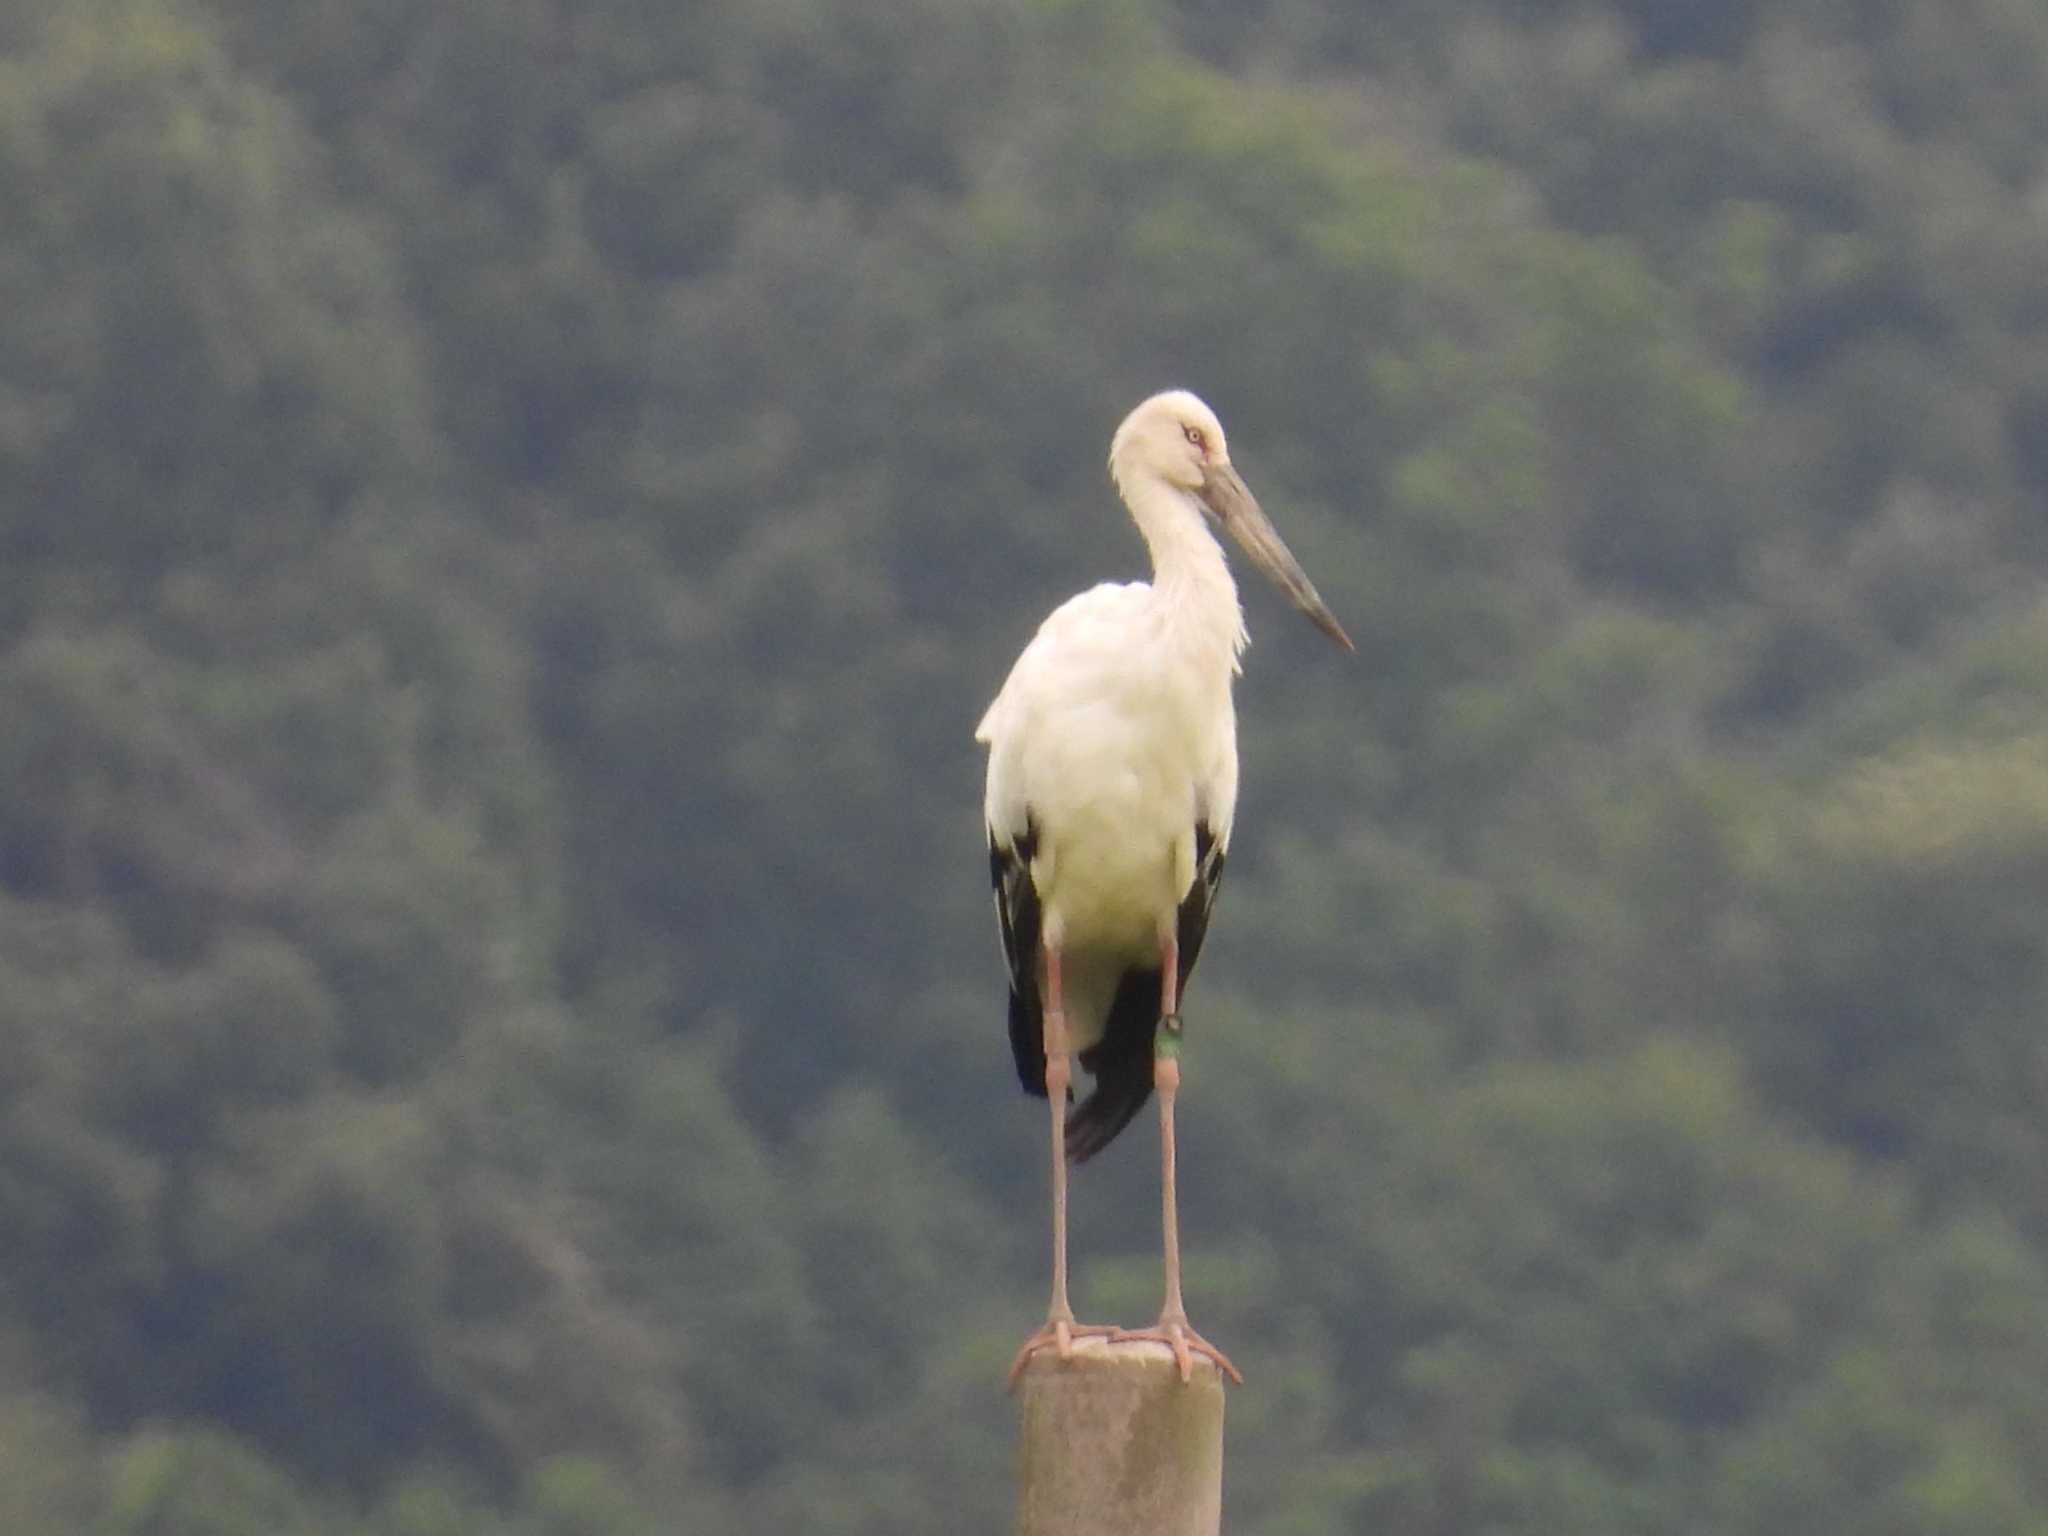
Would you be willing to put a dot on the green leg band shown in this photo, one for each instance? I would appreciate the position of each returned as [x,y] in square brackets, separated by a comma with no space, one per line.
[1166,1044]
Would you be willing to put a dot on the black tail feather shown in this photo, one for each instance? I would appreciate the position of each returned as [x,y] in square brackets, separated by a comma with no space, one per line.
[1027,1040]
[1121,1062]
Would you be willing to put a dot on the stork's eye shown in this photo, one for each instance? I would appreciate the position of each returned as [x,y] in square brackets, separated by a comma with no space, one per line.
[1195,436]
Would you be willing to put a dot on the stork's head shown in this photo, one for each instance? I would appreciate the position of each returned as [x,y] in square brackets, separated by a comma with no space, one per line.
[1175,438]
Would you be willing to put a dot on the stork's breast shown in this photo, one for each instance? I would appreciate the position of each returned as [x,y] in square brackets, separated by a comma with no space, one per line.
[1115,848]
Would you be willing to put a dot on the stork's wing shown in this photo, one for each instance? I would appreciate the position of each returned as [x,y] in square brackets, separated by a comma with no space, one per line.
[1121,1061]
[1017,911]
[1193,924]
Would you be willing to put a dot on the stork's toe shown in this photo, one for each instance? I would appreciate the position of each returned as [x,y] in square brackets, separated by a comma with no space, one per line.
[1057,1334]
[1185,1344]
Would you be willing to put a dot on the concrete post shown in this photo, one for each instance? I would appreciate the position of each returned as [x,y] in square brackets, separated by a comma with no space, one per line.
[1113,1443]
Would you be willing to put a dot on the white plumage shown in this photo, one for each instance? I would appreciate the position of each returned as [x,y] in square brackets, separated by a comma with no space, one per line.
[1117,764]
[1115,733]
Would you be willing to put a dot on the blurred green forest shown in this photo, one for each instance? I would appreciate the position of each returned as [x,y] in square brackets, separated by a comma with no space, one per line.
[511,509]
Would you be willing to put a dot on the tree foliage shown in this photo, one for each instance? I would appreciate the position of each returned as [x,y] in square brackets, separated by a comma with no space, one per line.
[510,512]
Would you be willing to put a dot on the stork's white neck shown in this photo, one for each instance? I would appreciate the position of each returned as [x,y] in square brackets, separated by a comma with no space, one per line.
[1189,573]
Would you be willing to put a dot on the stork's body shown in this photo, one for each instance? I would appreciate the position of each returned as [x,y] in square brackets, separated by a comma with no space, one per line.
[1114,749]
[1112,781]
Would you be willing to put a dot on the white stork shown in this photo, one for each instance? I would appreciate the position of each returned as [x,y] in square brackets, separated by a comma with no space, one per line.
[1112,777]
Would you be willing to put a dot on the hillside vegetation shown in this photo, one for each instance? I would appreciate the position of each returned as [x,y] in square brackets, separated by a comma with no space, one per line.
[510,511]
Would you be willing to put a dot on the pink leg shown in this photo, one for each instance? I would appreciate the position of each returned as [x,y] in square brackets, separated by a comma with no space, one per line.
[1172,1328]
[1060,1329]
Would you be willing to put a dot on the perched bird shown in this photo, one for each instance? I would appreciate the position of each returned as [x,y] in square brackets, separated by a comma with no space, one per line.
[1112,778]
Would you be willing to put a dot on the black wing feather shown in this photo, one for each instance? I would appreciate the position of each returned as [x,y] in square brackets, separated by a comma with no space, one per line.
[1193,924]
[1121,1061]
[1017,910]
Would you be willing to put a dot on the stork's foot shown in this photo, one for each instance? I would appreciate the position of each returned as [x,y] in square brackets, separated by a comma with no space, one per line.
[1057,1334]
[1185,1343]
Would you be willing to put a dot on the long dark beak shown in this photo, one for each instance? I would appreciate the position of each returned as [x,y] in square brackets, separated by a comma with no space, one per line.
[1230,502]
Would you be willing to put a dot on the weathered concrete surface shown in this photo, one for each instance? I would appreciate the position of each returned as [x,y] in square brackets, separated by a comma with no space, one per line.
[1112,1443]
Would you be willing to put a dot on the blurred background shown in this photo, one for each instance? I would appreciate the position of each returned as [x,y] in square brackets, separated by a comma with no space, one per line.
[510,511]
